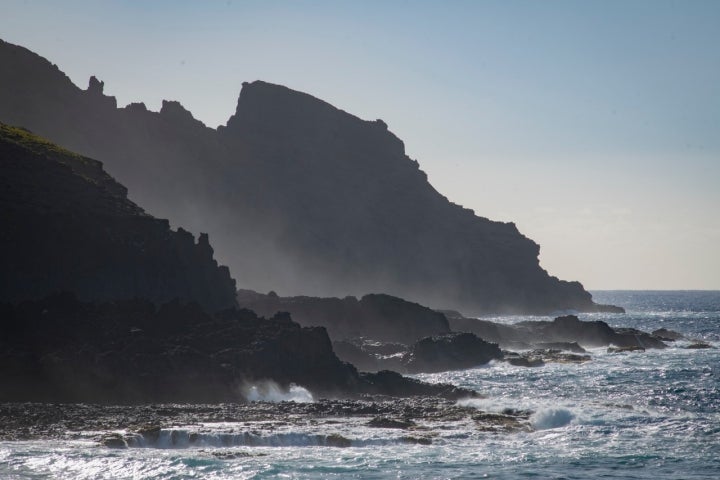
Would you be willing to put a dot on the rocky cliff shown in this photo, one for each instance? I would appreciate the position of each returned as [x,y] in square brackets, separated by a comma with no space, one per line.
[68,226]
[300,197]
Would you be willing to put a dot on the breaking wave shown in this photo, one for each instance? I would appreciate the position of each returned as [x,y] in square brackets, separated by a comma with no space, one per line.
[269,391]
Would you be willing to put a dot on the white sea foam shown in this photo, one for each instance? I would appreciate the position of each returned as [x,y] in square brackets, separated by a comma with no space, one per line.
[269,391]
[548,418]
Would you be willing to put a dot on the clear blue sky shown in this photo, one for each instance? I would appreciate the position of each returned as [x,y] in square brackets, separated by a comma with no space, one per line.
[594,126]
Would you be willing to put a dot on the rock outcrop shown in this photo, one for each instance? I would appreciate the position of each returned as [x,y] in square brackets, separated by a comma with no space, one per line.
[455,351]
[68,226]
[439,353]
[566,332]
[298,196]
[59,349]
[378,317]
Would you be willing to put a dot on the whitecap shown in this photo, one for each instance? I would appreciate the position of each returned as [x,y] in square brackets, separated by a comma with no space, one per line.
[548,418]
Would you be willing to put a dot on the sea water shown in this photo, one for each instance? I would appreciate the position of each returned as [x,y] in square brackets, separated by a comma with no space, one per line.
[652,415]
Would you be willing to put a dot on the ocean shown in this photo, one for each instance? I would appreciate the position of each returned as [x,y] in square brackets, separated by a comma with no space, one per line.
[634,415]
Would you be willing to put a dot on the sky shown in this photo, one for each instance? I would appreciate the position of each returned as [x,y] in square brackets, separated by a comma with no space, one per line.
[593,125]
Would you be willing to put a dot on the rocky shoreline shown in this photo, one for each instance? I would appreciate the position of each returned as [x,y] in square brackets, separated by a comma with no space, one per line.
[412,420]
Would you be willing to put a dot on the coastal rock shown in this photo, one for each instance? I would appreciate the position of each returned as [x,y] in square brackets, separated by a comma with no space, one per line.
[566,346]
[391,383]
[251,424]
[522,361]
[453,351]
[567,332]
[297,195]
[384,318]
[540,357]
[352,353]
[115,440]
[384,422]
[60,349]
[629,348]
[666,335]
[69,226]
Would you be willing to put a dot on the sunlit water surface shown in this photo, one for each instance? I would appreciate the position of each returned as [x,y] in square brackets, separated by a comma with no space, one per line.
[653,415]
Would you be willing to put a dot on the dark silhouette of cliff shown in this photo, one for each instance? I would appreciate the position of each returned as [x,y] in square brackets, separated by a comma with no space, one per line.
[68,226]
[300,197]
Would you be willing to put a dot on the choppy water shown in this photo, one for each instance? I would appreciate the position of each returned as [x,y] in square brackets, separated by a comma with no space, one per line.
[653,415]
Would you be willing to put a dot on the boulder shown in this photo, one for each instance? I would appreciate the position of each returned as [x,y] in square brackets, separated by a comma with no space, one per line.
[666,335]
[454,351]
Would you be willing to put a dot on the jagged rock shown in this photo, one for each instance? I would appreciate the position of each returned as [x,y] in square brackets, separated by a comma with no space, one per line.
[567,346]
[356,355]
[95,92]
[384,422]
[68,226]
[666,335]
[115,440]
[417,440]
[521,361]
[298,195]
[635,337]
[539,357]
[387,382]
[337,440]
[699,345]
[563,331]
[629,348]
[379,317]
[453,351]
[60,349]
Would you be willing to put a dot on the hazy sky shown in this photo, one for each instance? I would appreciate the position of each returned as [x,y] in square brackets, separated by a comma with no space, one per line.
[594,126]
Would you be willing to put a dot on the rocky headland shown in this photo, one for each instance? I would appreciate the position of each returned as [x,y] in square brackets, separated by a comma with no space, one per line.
[298,196]
[151,316]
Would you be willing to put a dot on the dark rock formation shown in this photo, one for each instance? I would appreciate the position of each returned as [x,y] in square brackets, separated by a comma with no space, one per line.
[363,360]
[376,316]
[62,350]
[627,348]
[560,346]
[248,424]
[539,357]
[454,351]
[298,195]
[68,226]
[384,422]
[561,332]
[386,382]
[666,335]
